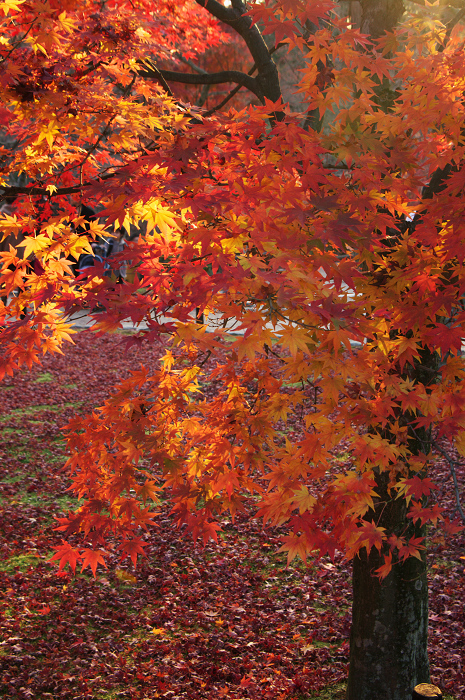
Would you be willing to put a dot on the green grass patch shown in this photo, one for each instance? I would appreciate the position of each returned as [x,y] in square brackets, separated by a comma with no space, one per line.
[112,694]
[52,457]
[44,378]
[19,476]
[38,499]
[21,561]
[12,431]
[333,692]
[31,410]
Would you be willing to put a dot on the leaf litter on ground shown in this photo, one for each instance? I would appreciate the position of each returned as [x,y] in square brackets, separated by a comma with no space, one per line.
[227,620]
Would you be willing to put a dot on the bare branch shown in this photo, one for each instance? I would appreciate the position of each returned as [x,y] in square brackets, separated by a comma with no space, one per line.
[191,64]
[236,18]
[223,102]
[18,43]
[42,191]
[90,68]
[235,90]
[148,70]
[225,76]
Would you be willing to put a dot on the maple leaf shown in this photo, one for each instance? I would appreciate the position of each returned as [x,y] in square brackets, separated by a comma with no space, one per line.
[66,554]
[149,489]
[294,545]
[385,569]
[8,5]
[418,512]
[367,535]
[395,542]
[452,528]
[34,244]
[92,558]
[125,576]
[415,487]
[303,500]
[131,548]
[411,548]
[294,338]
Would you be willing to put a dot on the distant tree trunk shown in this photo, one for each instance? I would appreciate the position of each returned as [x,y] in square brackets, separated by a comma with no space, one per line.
[380,16]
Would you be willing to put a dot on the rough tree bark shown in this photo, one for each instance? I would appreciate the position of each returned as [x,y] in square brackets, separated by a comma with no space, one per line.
[389,634]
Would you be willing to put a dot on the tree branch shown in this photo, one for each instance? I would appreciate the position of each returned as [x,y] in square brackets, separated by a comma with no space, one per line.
[223,102]
[235,90]
[226,76]
[236,18]
[13,191]
[191,64]
[149,70]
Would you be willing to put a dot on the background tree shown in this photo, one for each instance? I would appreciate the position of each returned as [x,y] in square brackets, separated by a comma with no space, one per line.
[293,229]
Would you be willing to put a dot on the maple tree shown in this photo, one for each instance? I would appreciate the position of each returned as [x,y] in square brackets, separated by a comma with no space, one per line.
[333,247]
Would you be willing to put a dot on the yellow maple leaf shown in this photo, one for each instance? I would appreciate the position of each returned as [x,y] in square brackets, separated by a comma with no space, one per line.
[125,576]
[34,244]
[303,500]
[48,133]
[10,5]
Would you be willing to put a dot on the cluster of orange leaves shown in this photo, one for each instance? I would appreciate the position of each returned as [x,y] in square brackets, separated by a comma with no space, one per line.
[284,235]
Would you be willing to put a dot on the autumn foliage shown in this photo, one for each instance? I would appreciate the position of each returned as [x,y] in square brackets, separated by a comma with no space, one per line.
[318,249]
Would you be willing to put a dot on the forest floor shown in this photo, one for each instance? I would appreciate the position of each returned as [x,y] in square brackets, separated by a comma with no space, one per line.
[224,621]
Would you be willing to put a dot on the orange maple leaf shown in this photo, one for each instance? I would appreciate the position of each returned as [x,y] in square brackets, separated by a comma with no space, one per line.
[385,569]
[92,557]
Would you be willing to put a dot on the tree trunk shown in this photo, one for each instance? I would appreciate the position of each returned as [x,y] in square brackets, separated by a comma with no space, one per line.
[388,641]
[380,16]
[389,633]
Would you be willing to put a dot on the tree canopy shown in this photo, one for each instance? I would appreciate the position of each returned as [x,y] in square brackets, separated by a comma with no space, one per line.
[301,263]
[306,263]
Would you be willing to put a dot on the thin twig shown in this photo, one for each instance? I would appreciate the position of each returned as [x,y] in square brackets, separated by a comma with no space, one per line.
[94,147]
[18,43]
[207,357]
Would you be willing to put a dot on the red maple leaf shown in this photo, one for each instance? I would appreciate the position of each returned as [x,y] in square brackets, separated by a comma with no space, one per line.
[66,554]
[131,548]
